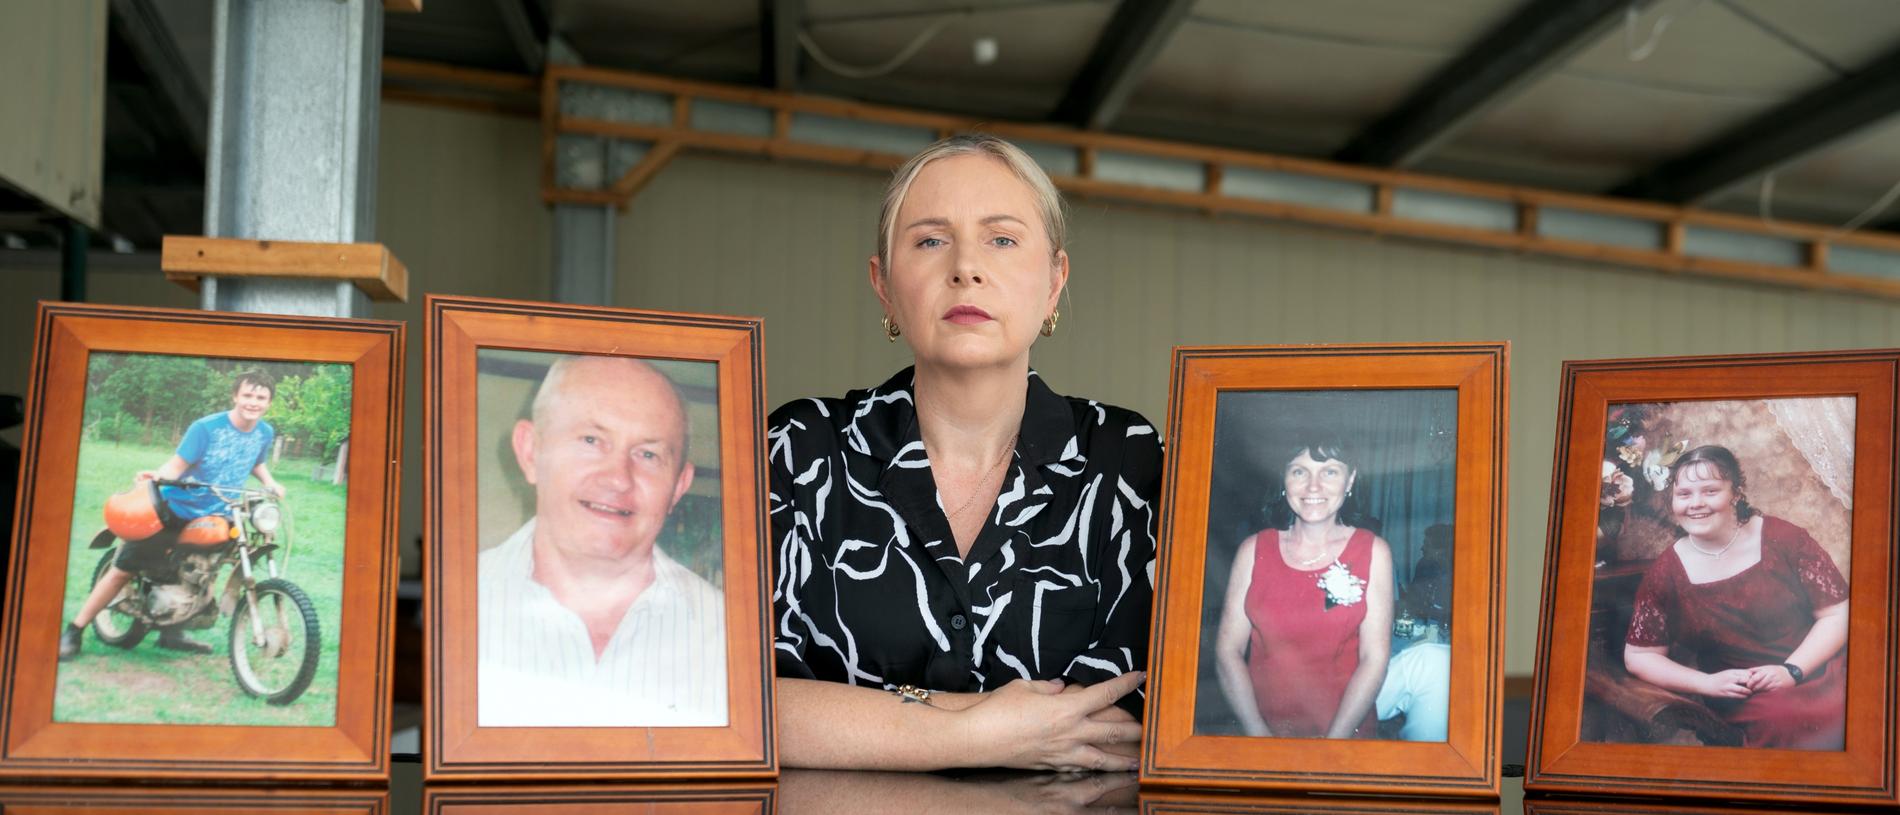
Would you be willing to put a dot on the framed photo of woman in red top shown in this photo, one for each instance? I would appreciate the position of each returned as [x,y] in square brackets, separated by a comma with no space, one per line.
[1718,581]
[1331,556]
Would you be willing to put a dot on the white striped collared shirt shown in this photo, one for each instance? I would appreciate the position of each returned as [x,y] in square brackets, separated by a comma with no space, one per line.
[664,667]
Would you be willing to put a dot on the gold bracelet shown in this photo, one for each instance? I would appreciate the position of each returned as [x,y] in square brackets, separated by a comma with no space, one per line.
[912,693]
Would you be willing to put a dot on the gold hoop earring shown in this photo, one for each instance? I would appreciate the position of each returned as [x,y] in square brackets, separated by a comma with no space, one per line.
[1049,323]
[890,329]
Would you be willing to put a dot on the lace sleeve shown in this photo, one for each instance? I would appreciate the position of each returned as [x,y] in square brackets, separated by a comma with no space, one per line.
[1655,602]
[1816,572]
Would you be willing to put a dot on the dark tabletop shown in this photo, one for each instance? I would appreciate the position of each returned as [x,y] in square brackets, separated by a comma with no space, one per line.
[796,792]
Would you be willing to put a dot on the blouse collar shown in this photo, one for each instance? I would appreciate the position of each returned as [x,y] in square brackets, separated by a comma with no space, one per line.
[884,428]
[885,425]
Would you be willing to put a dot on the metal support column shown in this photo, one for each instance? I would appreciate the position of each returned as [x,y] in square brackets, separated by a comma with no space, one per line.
[584,254]
[584,233]
[72,261]
[292,155]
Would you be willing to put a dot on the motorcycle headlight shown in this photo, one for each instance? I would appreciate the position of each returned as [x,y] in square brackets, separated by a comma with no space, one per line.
[266,518]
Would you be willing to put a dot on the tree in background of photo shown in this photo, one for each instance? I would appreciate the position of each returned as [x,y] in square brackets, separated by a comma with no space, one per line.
[315,414]
[149,400]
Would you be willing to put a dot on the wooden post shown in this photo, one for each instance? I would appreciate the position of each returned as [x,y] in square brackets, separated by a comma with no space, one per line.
[342,461]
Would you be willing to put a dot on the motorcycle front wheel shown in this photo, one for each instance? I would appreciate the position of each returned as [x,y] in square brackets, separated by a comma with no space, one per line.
[114,627]
[279,663]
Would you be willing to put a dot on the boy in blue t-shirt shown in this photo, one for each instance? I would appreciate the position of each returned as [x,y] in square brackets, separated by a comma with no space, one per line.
[223,449]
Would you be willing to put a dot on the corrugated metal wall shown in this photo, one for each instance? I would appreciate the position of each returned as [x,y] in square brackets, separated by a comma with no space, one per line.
[789,243]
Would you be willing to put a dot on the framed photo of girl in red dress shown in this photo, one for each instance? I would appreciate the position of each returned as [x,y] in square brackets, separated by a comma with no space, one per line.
[1717,580]
[1331,556]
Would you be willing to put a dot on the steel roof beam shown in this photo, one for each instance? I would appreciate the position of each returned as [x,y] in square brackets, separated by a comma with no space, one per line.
[1128,46]
[142,27]
[779,21]
[1536,40]
[1776,138]
[527,29]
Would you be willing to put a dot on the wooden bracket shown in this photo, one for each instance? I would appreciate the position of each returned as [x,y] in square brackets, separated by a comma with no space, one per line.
[371,266]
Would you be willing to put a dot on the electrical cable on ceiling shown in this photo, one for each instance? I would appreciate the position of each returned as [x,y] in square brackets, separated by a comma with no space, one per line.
[1638,53]
[1765,202]
[863,72]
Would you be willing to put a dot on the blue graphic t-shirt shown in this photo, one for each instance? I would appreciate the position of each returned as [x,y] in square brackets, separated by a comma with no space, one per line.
[221,455]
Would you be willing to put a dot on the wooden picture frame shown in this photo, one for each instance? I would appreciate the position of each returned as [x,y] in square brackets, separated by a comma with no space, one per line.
[41,739]
[1534,805]
[658,798]
[1812,436]
[178,800]
[486,360]
[1407,413]
[1165,801]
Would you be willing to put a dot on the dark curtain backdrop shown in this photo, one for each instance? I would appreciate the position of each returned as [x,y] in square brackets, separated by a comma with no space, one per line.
[1404,443]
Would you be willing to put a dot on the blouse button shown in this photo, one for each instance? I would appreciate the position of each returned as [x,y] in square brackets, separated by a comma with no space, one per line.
[957,622]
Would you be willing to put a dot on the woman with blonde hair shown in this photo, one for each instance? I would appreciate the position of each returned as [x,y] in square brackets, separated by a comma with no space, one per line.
[962,556]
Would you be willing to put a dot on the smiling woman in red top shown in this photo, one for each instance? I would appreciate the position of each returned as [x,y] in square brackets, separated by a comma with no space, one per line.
[1305,631]
[962,556]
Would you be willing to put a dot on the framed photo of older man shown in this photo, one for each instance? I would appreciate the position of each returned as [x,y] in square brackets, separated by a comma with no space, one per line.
[596,583]
[1717,617]
[1332,547]
[203,574]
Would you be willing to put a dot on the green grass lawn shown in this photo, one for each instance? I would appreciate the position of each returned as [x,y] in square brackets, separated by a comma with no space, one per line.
[148,685]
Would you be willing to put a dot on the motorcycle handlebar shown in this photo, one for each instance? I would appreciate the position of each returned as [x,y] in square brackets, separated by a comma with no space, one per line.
[222,492]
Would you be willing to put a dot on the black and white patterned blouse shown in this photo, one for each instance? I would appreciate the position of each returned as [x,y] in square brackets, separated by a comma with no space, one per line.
[870,590]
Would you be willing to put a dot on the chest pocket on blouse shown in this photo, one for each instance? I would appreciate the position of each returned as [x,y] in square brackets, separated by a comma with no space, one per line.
[1048,623]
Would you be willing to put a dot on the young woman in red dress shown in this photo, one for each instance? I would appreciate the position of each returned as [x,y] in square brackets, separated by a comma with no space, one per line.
[1306,629]
[1755,606]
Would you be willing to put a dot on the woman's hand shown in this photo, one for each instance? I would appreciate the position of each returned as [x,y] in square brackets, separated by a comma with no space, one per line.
[1112,714]
[1375,647]
[1730,684]
[1763,678]
[1008,792]
[1035,725]
[1060,793]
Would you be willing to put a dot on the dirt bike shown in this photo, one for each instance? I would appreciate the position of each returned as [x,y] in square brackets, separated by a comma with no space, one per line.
[274,636]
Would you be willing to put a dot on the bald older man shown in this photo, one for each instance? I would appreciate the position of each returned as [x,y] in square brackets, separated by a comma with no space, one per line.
[584,620]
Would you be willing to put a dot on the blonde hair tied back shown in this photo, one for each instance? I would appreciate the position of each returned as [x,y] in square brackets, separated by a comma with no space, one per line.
[1048,200]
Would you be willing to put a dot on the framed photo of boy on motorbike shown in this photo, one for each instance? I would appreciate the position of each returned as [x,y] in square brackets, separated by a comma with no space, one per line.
[596,587]
[202,573]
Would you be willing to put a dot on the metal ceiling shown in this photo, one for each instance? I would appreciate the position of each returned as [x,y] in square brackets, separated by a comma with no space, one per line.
[1685,100]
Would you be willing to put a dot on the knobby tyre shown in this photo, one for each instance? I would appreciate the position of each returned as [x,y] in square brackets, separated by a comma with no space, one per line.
[281,668]
[113,627]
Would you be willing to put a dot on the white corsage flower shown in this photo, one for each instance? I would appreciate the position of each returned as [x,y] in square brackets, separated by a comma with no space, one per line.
[1343,588]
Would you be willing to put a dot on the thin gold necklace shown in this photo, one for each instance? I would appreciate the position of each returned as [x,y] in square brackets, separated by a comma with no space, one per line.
[978,489]
[1325,549]
[1725,547]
